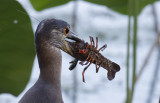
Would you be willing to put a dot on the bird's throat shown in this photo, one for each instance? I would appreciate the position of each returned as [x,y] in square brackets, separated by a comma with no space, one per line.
[50,60]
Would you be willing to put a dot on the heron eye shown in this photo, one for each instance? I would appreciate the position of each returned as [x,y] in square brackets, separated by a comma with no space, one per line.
[66,30]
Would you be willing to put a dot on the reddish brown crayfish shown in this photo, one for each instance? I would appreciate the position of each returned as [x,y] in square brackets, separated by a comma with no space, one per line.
[88,54]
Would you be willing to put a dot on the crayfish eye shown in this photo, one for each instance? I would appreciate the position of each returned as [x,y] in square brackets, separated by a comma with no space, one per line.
[66,30]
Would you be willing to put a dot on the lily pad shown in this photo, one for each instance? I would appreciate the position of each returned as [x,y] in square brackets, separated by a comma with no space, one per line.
[43,4]
[121,6]
[16,47]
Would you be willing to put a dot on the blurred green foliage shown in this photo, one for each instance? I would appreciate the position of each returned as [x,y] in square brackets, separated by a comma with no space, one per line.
[121,6]
[17,39]
[16,47]
[43,4]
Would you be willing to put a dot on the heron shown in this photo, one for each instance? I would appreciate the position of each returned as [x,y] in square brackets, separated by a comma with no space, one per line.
[51,36]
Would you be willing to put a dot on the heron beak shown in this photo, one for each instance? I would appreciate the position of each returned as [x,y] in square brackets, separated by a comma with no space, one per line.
[70,41]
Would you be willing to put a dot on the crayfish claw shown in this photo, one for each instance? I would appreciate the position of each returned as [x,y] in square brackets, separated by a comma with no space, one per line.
[73,64]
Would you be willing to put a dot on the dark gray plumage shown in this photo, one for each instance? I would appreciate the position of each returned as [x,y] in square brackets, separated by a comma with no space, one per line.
[49,39]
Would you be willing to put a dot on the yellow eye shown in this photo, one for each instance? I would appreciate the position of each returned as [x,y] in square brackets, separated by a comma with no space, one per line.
[66,30]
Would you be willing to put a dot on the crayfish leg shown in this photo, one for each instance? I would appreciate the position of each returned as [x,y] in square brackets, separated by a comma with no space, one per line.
[103,47]
[96,43]
[85,70]
[93,42]
[97,68]
[87,62]
[90,41]
[87,57]
[82,63]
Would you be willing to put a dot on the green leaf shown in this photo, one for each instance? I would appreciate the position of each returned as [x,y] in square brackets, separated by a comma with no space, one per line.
[43,4]
[16,47]
[121,5]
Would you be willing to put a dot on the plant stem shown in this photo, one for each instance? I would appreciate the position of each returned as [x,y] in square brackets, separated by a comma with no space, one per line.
[130,12]
[156,71]
[147,58]
[135,7]
[155,77]
[75,83]
[128,56]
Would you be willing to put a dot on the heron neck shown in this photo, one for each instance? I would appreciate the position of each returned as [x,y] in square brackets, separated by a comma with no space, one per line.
[50,61]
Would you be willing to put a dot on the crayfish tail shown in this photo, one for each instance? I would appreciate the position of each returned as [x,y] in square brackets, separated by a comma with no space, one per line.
[112,72]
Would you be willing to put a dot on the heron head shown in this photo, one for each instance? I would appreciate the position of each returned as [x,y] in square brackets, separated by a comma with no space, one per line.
[55,33]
